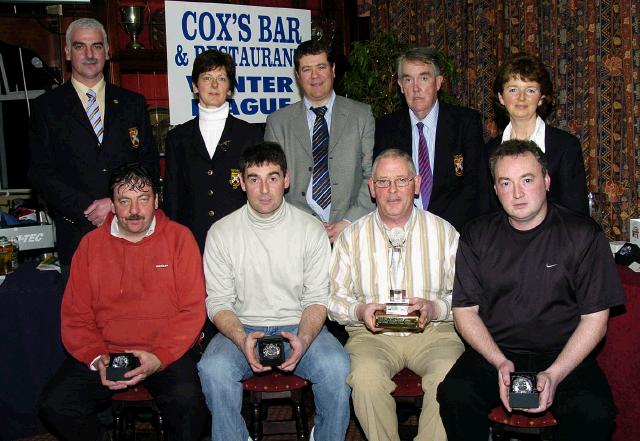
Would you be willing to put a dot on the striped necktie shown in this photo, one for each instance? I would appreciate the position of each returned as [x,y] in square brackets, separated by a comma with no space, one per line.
[426,177]
[93,112]
[321,193]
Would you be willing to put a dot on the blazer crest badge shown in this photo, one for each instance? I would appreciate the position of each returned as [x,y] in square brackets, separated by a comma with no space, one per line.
[457,164]
[234,178]
[224,145]
[133,136]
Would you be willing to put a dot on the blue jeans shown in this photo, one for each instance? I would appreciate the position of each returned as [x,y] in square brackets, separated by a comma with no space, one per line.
[325,364]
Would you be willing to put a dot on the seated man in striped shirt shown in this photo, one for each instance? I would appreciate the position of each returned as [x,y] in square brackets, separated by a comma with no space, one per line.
[361,279]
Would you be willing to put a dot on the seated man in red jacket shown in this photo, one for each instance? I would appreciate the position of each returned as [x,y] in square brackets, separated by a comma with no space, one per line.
[136,286]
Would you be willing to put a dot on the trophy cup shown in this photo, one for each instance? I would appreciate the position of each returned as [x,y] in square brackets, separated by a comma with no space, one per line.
[396,315]
[132,22]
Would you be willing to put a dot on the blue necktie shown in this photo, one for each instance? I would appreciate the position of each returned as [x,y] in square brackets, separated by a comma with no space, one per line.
[93,112]
[320,142]
[426,177]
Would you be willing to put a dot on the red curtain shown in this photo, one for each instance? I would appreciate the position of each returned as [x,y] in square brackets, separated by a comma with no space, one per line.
[593,51]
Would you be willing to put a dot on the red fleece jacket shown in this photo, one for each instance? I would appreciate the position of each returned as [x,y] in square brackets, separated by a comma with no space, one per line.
[122,295]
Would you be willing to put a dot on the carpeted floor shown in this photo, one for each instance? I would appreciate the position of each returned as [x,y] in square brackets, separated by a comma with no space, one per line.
[144,432]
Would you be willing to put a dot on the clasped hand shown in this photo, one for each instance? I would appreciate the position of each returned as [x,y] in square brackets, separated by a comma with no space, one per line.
[298,348]
[366,312]
[546,387]
[149,365]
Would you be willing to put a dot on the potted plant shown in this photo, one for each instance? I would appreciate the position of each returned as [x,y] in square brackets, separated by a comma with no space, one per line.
[371,75]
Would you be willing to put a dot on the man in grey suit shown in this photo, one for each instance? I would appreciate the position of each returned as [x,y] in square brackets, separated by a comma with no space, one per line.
[328,141]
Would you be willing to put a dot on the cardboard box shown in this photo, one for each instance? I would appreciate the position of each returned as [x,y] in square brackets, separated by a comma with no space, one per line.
[33,237]
[634,231]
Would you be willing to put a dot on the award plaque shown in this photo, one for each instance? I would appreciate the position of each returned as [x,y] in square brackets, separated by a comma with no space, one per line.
[523,393]
[271,350]
[120,364]
[396,314]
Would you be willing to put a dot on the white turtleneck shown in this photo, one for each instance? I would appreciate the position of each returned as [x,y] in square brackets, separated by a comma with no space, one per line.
[266,270]
[212,121]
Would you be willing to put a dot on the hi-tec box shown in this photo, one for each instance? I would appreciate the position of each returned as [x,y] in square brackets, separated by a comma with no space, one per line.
[32,237]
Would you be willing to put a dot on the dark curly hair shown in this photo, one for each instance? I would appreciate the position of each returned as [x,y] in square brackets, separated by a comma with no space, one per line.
[133,176]
[527,68]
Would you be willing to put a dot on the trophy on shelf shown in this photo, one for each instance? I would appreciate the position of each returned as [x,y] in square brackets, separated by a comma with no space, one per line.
[132,22]
[396,315]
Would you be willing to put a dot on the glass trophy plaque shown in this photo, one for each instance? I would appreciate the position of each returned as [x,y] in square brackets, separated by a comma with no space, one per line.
[396,314]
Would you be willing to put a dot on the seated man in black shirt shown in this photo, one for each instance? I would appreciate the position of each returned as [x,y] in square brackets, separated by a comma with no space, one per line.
[532,292]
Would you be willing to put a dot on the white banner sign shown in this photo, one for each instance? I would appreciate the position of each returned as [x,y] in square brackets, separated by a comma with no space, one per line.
[260,40]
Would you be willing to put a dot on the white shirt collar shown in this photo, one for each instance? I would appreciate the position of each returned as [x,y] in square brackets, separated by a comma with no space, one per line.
[328,104]
[431,120]
[115,228]
[537,136]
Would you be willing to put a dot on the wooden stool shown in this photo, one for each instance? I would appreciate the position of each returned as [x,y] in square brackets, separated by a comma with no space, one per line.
[408,390]
[517,422]
[126,405]
[277,385]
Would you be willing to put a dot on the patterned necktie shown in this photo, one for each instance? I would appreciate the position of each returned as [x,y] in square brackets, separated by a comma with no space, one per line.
[426,177]
[93,112]
[320,143]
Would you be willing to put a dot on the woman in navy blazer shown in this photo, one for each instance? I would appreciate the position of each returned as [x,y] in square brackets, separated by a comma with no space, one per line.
[524,93]
[202,182]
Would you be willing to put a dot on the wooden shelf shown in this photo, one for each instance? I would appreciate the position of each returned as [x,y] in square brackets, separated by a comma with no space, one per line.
[142,60]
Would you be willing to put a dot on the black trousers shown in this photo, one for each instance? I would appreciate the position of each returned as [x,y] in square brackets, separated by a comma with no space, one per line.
[73,397]
[583,404]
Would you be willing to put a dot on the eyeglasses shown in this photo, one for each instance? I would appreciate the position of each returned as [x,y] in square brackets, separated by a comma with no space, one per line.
[210,79]
[400,182]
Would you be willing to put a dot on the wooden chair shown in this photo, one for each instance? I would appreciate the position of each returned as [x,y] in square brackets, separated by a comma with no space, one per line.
[129,403]
[408,392]
[504,423]
[277,387]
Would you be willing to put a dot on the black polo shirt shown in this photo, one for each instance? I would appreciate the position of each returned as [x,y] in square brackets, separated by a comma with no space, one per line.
[532,286]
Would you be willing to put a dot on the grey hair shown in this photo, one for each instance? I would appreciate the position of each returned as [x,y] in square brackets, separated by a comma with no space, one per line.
[394,154]
[424,55]
[87,23]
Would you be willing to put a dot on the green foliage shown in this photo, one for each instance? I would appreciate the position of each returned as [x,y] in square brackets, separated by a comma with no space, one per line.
[371,76]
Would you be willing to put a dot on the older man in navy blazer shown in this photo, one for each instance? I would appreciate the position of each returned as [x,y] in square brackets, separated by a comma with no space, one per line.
[446,142]
[79,133]
[328,141]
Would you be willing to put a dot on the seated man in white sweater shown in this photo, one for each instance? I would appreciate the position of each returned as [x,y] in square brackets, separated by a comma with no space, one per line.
[267,272]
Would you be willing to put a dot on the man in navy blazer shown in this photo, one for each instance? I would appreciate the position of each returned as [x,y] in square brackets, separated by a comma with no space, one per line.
[71,162]
[350,146]
[453,137]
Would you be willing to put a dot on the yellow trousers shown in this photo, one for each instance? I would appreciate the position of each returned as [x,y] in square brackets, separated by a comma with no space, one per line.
[376,358]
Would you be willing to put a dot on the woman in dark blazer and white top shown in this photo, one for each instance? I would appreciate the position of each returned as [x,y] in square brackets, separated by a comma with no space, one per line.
[524,92]
[202,181]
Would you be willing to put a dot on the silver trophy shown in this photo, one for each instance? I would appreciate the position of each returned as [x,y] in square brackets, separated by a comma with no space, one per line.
[396,315]
[132,22]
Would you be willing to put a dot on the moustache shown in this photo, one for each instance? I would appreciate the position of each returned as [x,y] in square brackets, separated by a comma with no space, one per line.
[135,217]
